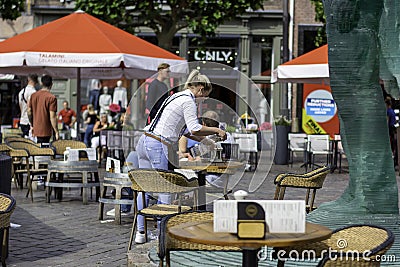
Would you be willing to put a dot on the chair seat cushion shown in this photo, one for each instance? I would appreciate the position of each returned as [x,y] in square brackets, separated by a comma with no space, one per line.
[162,209]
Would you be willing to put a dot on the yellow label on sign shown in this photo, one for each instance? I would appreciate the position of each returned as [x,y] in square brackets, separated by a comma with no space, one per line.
[310,126]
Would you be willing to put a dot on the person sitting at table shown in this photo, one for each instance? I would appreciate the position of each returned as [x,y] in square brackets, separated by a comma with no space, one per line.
[211,119]
[99,126]
[157,147]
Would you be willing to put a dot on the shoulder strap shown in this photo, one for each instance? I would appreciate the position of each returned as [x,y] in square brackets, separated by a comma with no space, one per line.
[158,115]
[23,95]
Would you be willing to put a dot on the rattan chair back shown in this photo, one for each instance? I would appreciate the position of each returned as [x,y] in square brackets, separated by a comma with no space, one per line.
[160,181]
[20,139]
[4,148]
[7,206]
[363,244]
[167,243]
[32,149]
[353,245]
[60,146]
[312,180]
[33,169]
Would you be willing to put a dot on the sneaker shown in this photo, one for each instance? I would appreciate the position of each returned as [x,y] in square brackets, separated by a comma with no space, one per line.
[126,213]
[111,212]
[140,237]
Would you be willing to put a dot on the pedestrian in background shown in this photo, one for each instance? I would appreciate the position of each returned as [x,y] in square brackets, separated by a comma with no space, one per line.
[23,98]
[67,116]
[157,91]
[90,121]
[42,112]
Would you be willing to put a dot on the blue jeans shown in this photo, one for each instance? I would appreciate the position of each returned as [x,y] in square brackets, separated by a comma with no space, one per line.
[133,159]
[152,154]
[94,98]
[88,134]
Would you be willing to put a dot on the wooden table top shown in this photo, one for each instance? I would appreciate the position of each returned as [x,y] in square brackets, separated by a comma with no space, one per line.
[202,232]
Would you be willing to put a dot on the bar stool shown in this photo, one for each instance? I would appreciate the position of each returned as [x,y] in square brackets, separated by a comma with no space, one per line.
[117,181]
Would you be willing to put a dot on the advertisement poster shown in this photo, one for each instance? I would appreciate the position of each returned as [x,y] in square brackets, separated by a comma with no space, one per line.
[319,110]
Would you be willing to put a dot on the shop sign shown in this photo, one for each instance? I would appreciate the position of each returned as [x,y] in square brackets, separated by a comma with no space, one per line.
[320,107]
[224,56]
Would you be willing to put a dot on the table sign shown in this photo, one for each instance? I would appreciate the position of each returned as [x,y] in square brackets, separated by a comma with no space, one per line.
[281,216]
[113,165]
[74,154]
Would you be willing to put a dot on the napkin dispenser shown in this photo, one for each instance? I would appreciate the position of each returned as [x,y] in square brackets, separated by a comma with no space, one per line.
[251,220]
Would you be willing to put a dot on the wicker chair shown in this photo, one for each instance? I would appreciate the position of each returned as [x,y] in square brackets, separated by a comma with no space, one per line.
[60,146]
[159,181]
[20,158]
[355,245]
[20,139]
[32,169]
[310,180]
[166,243]
[7,206]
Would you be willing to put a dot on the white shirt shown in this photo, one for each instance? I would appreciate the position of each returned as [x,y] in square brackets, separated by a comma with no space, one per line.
[29,90]
[104,102]
[179,112]
[120,95]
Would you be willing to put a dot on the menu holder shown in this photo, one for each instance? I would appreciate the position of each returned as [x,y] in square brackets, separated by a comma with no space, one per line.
[280,216]
[251,220]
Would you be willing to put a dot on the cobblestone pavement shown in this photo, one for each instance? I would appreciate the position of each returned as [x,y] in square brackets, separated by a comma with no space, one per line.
[68,233]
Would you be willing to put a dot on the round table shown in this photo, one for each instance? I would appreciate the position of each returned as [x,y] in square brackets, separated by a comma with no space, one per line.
[83,167]
[203,232]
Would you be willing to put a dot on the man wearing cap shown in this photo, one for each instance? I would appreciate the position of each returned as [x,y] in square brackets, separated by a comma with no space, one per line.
[157,91]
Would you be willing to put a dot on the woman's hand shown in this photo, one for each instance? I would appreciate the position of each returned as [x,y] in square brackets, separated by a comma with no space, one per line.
[221,134]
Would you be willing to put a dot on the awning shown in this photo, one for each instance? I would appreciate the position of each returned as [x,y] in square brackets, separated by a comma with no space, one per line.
[311,67]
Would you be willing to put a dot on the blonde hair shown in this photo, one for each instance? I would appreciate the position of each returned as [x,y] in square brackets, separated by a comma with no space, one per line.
[196,78]
[163,66]
[90,107]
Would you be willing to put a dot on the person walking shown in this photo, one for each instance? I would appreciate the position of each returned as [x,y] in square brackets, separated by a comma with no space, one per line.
[157,91]
[23,98]
[157,147]
[42,112]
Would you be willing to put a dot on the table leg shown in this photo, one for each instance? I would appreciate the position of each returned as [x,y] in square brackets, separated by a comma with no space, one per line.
[58,191]
[97,180]
[335,155]
[202,190]
[84,188]
[250,258]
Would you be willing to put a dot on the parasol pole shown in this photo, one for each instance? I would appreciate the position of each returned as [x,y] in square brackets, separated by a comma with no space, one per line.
[78,103]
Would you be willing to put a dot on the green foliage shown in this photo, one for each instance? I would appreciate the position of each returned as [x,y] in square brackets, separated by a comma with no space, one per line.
[320,17]
[167,17]
[230,129]
[11,9]
[282,120]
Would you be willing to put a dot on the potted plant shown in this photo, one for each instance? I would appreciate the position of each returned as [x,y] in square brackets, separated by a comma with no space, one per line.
[282,126]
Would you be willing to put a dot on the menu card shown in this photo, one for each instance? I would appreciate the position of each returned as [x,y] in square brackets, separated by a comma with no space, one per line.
[74,154]
[281,216]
